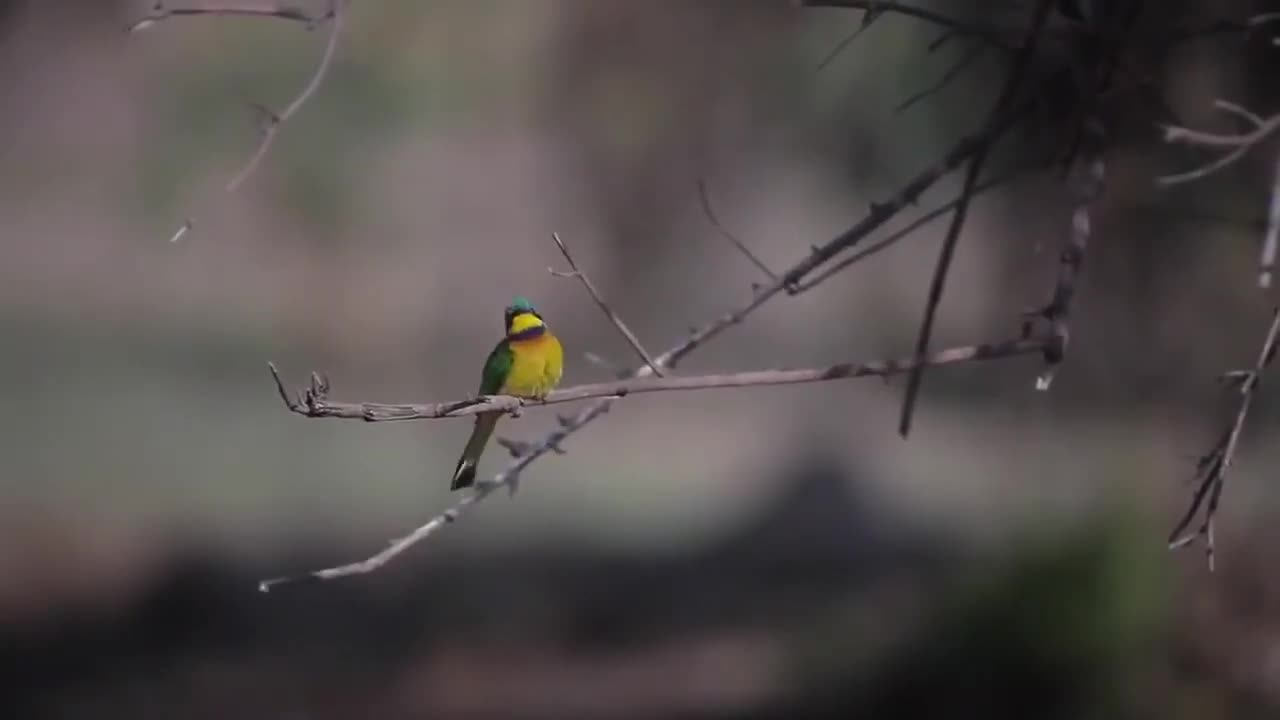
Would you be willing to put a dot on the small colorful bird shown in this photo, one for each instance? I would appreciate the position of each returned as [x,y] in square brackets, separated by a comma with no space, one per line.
[526,363]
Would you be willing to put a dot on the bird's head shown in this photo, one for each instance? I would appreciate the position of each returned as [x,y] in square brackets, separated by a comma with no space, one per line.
[522,320]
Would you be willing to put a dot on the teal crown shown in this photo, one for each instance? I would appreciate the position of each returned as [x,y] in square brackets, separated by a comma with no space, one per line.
[520,305]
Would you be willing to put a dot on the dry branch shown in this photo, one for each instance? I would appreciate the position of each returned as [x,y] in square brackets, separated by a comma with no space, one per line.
[1271,240]
[629,336]
[1213,465]
[314,401]
[705,197]
[1234,145]
[525,453]
[965,60]
[161,12]
[897,235]
[334,16]
[990,34]
[937,284]
[1088,191]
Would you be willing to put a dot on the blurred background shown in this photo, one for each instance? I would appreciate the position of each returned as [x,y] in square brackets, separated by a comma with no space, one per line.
[720,553]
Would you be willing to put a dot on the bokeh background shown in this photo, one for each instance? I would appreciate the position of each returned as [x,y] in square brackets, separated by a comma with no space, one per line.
[719,553]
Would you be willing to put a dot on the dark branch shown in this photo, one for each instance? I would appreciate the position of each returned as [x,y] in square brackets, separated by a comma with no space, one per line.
[936,286]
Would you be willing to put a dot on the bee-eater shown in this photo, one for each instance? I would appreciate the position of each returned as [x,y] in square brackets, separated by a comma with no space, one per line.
[526,363]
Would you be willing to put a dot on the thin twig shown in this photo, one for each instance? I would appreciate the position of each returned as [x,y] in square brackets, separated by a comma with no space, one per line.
[1236,145]
[334,16]
[943,267]
[1271,241]
[868,18]
[705,197]
[604,306]
[1213,465]
[160,12]
[526,453]
[952,72]
[990,34]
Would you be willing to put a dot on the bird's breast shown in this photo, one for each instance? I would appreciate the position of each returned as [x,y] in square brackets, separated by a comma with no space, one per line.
[536,365]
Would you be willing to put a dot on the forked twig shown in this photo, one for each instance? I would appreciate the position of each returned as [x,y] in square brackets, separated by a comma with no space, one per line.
[705,198]
[274,121]
[335,16]
[1235,145]
[630,337]
[1213,466]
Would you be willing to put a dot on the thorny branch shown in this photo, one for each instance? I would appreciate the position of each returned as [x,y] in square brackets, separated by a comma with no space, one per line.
[275,121]
[604,306]
[897,235]
[1213,465]
[372,411]
[878,215]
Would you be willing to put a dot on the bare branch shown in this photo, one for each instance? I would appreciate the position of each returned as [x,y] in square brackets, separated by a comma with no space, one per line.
[868,18]
[160,12]
[604,306]
[1213,466]
[1235,145]
[334,15]
[992,35]
[526,453]
[1088,190]
[705,197]
[893,238]
[952,72]
[943,267]
[315,402]
[1271,241]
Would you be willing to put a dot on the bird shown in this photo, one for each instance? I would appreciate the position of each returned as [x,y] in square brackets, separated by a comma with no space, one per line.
[527,363]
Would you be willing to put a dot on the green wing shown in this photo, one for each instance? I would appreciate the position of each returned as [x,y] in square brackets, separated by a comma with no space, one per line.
[496,369]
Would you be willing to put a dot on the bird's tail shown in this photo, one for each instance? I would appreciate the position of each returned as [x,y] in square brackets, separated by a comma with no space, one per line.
[464,475]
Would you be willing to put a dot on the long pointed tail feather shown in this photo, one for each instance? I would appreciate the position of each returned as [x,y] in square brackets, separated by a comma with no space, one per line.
[464,475]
